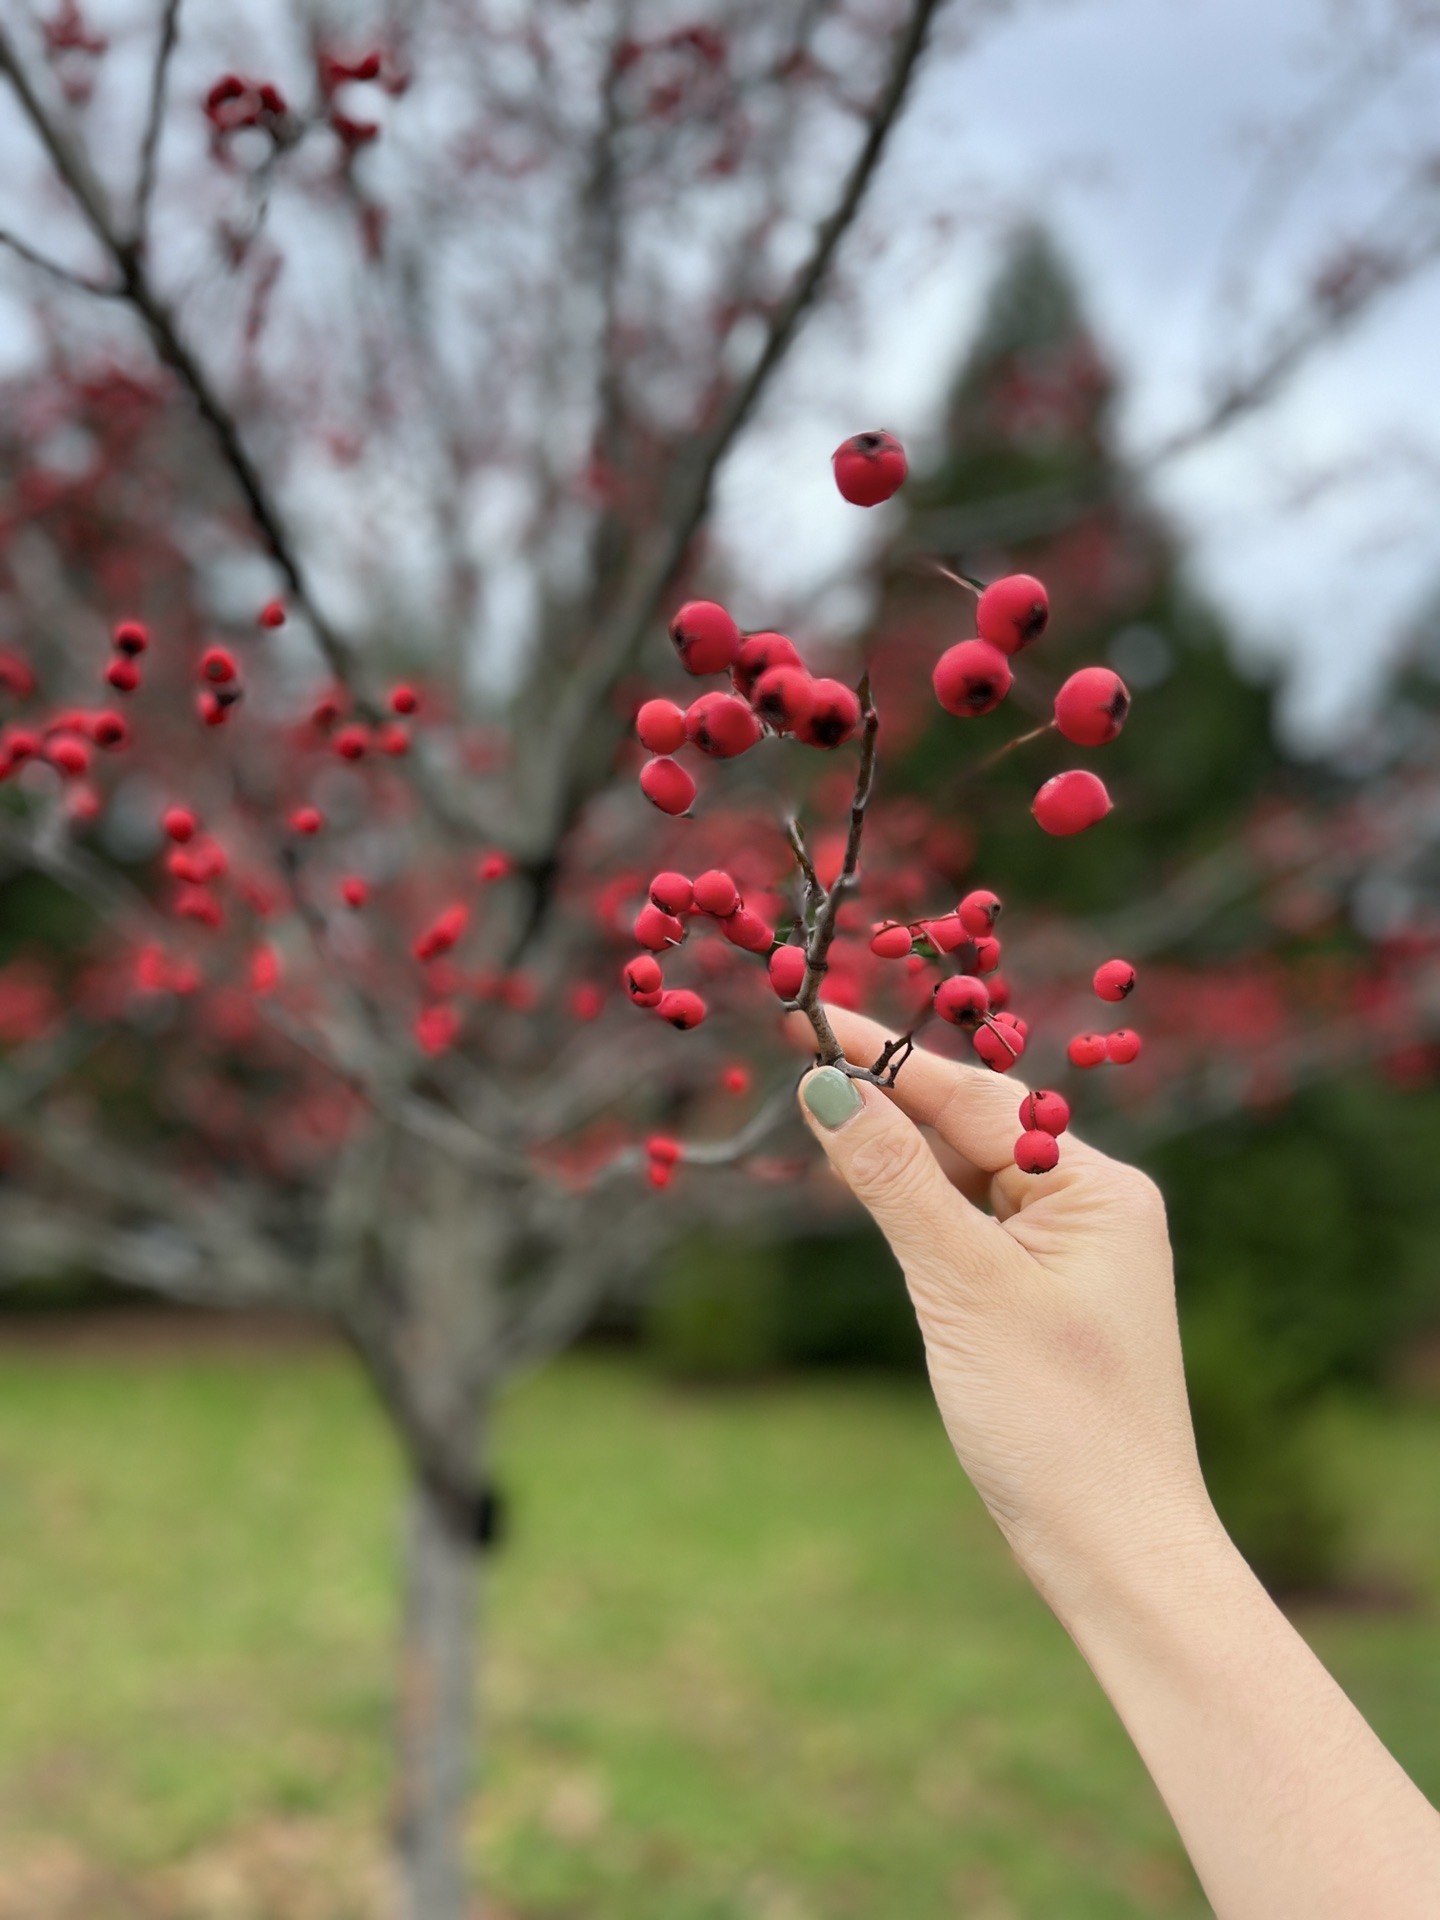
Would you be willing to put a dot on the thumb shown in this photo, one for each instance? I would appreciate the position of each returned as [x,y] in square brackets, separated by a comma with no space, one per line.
[884,1159]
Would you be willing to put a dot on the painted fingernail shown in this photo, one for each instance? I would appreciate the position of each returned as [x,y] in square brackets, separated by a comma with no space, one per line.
[832,1097]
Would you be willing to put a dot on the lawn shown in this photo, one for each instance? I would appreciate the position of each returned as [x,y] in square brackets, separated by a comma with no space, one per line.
[754,1656]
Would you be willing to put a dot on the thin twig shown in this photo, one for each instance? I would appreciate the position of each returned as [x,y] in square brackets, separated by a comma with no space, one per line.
[56,270]
[155,119]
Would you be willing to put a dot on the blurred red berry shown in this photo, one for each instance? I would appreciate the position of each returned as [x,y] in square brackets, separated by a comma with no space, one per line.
[716,893]
[1122,1046]
[682,1008]
[1086,1050]
[869,467]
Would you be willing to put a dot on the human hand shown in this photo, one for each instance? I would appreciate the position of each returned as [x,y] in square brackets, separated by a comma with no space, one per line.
[1049,1321]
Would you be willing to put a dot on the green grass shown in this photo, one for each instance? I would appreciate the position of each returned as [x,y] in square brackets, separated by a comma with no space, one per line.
[756,1656]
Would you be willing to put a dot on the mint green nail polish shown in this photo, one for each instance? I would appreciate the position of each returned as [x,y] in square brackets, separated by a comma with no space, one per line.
[832,1097]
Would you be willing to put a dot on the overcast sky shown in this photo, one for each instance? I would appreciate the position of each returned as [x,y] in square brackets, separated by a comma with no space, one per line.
[1139,129]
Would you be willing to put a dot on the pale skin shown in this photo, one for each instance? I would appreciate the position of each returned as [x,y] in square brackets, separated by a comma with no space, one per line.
[1047,1303]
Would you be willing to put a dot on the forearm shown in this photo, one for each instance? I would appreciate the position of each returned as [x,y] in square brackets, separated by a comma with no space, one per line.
[1289,1806]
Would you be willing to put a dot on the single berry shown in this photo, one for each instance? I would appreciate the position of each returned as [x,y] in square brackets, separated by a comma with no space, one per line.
[671,892]
[682,1008]
[715,892]
[736,1079]
[1070,802]
[971,678]
[999,992]
[306,820]
[494,866]
[178,824]
[722,725]
[444,932]
[1122,1046]
[390,737]
[666,784]
[1012,612]
[787,971]
[869,468]
[644,981]
[123,675]
[890,941]
[68,754]
[217,664]
[1044,1112]
[1115,980]
[350,742]
[437,1028]
[264,970]
[658,1174]
[660,725]
[783,698]
[946,933]
[354,891]
[657,930]
[987,952]
[587,1002]
[1086,1050]
[745,929]
[272,614]
[662,1148]
[200,905]
[979,911]
[706,638]
[999,1046]
[211,708]
[833,717]
[759,652]
[1036,1151]
[109,729]
[1091,706]
[130,636]
[404,699]
[962,1000]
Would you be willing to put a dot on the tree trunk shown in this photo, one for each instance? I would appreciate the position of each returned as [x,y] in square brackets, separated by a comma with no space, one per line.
[436,1709]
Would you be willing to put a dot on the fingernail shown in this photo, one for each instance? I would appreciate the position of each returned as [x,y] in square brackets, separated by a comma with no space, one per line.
[832,1097]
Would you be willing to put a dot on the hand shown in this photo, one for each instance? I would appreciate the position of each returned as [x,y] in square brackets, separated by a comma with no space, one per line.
[1049,1322]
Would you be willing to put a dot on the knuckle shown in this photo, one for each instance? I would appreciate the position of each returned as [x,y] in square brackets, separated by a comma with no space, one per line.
[1138,1192]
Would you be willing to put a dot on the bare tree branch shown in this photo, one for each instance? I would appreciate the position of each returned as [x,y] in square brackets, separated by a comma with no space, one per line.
[155,119]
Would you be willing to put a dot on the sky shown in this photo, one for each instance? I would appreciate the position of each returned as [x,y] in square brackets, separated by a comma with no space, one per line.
[1145,134]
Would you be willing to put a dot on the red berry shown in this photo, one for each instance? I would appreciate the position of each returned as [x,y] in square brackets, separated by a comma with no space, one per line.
[272,614]
[834,715]
[660,725]
[971,678]
[1115,980]
[787,971]
[1044,1111]
[211,708]
[130,636]
[671,892]
[745,929]
[662,1148]
[658,1174]
[68,753]
[758,654]
[945,934]
[987,953]
[217,664]
[1036,1151]
[1012,612]
[264,970]
[1122,1046]
[109,729]
[999,991]
[999,1046]
[391,738]
[350,742]
[667,785]
[306,820]
[869,468]
[1086,1050]
[494,866]
[979,911]
[891,942]
[123,675]
[736,1079]
[716,893]
[722,725]
[437,1028]
[657,930]
[962,1000]
[706,638]
[682,1008]
[200,905]
[179,824]
[354,891]
[644,980]
[444,932]
[1070,802]
[587,1002]
[404,699]
[784,697]
[1091,706]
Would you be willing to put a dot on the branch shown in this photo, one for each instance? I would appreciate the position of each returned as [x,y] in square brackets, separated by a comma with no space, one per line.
[690,489]
[56,270]
[150,145]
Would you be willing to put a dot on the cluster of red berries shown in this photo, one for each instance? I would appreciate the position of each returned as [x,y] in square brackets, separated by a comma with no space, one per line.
[773,692]
[1114,981]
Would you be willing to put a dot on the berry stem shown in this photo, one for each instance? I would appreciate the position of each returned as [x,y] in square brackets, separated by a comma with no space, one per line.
[1020,740]
[977,587]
